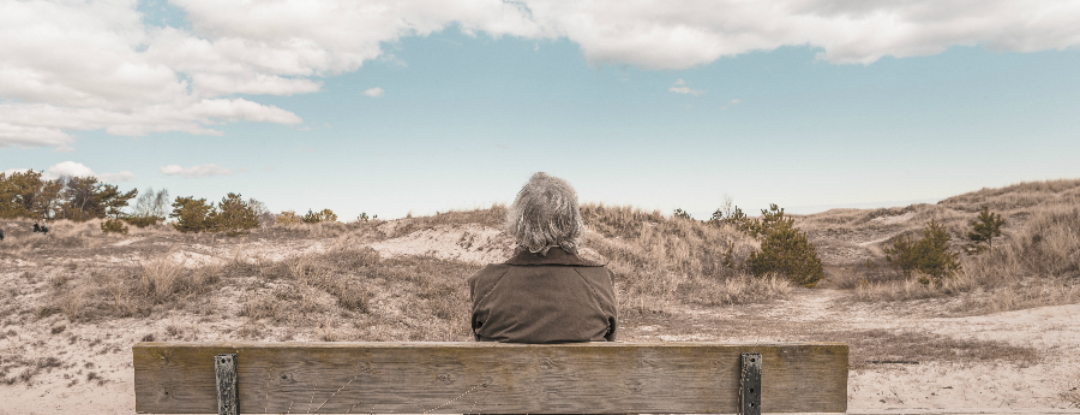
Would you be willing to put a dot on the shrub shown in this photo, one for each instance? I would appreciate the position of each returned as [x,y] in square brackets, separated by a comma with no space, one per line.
[363,217]
[233,216]
[682,214]
[735,218]
[929,255]
[326,215]
[984,229]
[192,215]
[287,217]
[114,226]
[142,221]
[784,249]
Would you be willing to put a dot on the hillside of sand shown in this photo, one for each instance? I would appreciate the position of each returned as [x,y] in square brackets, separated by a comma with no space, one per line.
[72,304]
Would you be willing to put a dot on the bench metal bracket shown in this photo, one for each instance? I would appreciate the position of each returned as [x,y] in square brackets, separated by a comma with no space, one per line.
[750,384]
[225,367]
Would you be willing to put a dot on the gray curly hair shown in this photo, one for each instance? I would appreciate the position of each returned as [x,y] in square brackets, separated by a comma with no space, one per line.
[545,215]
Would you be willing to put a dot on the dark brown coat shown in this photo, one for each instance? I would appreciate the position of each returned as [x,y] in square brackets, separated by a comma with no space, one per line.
[558,298]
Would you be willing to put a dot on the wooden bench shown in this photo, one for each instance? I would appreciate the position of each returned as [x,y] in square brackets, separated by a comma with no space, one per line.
[472,378]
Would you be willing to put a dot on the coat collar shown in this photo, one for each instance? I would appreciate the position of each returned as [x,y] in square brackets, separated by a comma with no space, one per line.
[555,256]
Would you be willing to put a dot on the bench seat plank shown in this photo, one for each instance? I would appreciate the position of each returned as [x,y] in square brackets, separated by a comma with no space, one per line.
[461,378]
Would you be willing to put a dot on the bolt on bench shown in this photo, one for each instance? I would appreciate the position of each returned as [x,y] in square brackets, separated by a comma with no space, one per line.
[489,378]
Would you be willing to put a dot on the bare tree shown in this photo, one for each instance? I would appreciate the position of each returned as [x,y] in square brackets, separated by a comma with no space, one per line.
[265,216]
[162,206]
[152,204]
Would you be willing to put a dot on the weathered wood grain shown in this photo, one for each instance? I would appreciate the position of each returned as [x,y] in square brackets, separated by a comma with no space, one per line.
[489,378]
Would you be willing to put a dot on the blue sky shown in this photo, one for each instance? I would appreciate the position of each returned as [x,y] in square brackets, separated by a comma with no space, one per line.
[459,114]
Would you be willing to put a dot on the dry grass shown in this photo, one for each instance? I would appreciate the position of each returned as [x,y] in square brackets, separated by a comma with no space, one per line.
[493,217]
[126,291]
[870,346]
[661,262]
[10,364]
[738,289]
[404,298]
[1035,263]
[1018,196]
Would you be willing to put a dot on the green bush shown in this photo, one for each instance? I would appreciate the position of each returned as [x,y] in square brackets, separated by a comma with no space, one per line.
[114,226]
[983,230]
[192,215]
[929,255]
[234,216]
[784,249]
[326,215]
[287,217]
[142,221]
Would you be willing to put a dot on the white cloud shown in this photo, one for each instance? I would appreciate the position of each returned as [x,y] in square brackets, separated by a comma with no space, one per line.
[374,92]
[196,171]
[731,103]
[76,169]
[124,176]
[69,168]
[72,66]
[679,87]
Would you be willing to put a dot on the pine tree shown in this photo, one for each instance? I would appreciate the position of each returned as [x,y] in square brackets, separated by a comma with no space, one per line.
[784,249]
[234,216]
[192,215]
[984,229]
[26,194]
[929,255]
[86,198]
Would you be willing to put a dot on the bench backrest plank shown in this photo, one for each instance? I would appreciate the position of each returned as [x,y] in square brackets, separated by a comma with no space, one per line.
[489,378]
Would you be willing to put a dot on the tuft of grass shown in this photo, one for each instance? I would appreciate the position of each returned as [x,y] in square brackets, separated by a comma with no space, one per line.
[9,363]
[125,291]
[742,289]
[162,279]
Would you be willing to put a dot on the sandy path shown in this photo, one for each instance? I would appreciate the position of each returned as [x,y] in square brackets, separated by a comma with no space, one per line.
[923,388]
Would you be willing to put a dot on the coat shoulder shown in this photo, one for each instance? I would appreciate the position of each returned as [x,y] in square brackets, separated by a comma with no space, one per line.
[486,277]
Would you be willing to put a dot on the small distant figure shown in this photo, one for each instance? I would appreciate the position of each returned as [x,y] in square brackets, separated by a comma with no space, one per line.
[44,229]
[1,234]
[37,228]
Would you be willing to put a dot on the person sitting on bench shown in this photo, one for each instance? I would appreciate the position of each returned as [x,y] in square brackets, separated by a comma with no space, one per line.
[545,293]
